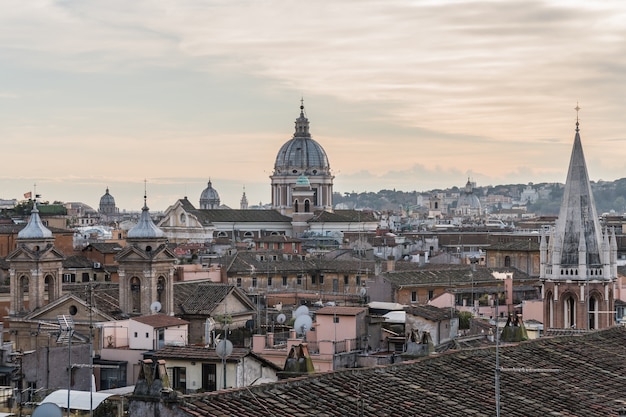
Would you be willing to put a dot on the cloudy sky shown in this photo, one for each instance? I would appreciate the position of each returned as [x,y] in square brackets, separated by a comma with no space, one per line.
[411,95]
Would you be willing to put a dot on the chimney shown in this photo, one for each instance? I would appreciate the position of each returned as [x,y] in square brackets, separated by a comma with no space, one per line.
[391,263]
[508,288]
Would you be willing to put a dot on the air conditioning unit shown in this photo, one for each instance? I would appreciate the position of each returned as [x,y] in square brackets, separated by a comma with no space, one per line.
[96,265]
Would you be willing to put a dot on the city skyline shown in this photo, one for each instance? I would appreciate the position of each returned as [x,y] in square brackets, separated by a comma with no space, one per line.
[411,95]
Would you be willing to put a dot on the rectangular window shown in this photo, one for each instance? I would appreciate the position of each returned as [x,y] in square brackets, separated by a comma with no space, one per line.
[358,280]
[254,281]
[85,276]
[178,377]
[335,319]
[135,336]
[414,296]
[321,279]
[346,279]
[431,294]
[313,279]
[269,281]
[239,282]
[284,280]
[299,279]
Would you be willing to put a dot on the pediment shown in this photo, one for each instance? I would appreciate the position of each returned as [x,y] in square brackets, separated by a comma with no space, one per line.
[62,306]
[22,253]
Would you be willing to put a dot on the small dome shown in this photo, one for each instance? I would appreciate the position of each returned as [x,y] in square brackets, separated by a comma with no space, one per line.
[35,229]
[302,181]
[468,200]
[107,199]
[107,203]
[209,199]
[145,228]
[301,154]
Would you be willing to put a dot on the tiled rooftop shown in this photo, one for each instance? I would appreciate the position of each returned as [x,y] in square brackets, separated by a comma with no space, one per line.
[160,320]
[581,375]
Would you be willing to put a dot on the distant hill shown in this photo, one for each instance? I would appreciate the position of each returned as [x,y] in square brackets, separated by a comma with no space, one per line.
[609,196]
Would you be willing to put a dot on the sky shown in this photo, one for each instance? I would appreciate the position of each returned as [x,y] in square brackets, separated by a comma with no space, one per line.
[405,95]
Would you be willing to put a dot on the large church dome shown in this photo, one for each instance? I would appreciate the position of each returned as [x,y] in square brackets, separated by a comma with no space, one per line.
[301,157]
[301,154]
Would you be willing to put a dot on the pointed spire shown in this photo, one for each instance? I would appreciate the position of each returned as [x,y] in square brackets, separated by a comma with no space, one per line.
[578,225]
[145,228]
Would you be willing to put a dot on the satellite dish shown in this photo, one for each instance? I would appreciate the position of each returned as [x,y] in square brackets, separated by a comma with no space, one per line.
[363,291]
[281,318]
[301,311]
[302,325]
[47,410]
[155,307]
[224,348]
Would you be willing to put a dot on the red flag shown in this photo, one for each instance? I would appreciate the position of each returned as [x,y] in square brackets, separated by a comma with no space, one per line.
[28,195]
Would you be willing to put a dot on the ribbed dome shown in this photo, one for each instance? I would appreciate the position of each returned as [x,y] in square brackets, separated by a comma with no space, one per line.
[145,228]
[107,199]
[301,154]
[468,200]
[35,229]
[209,193]
[210,198]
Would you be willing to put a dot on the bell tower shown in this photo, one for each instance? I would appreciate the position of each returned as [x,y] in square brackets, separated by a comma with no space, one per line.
[35,267]
[578,258]
[146,269]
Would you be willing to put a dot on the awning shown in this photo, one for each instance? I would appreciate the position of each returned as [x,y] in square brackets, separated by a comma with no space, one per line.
[79,400]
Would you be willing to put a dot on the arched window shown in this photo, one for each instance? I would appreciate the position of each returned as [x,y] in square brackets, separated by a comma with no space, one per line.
[569,312]
[161,290]
[507,261]
[183,218]
[295,206]
[22,293]
[593,313]
[307,206]
[222,234]
[248,234]
[550,309]
[49,289]
[135,295]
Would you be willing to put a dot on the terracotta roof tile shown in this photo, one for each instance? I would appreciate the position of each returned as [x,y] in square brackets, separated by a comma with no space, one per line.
[160,320]
[564,376]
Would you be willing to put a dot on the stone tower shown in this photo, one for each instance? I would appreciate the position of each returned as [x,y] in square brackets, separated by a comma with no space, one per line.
[35,267]
[146,268]
[579,258]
